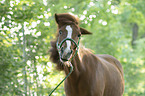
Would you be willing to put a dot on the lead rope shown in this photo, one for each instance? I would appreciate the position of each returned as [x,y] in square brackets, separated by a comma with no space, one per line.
[63,79]
[70,65]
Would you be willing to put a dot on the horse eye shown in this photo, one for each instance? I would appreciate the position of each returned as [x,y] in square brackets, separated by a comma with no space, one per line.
[79,35]
[60,32]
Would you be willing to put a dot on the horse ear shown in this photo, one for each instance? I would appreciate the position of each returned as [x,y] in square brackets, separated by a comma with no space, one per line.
[84,31]
[56,18]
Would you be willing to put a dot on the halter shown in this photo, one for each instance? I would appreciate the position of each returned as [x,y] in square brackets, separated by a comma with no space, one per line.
[59,47]
[61,43]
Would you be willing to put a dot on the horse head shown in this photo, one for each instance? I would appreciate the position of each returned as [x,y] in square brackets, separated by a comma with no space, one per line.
[68,34]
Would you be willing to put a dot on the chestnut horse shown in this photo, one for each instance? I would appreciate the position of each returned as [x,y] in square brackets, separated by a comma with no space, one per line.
[93,75]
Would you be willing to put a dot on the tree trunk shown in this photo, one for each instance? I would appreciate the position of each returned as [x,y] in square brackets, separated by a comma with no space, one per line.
[134,34]
[24,61]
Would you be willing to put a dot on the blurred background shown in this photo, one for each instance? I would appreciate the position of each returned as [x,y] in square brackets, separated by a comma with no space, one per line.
[28,26]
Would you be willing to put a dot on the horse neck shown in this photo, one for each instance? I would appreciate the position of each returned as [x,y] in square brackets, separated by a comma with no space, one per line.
[78,67]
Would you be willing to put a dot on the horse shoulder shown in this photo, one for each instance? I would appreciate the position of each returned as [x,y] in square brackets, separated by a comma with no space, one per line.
[113,73]
[95,73]
[112,60]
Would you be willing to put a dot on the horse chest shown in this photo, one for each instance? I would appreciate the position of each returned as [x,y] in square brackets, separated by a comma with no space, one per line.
[77,89]
[81,87]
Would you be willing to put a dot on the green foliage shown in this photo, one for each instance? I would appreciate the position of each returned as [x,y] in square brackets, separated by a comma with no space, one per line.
[25,65]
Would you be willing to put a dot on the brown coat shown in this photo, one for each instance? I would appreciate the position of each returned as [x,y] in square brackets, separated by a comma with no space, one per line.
[93,75]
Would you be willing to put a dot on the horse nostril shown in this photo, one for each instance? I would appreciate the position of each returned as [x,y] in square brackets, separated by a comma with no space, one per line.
[62,50]
[69,53]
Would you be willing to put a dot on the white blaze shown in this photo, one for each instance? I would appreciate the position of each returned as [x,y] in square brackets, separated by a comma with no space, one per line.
[69,35]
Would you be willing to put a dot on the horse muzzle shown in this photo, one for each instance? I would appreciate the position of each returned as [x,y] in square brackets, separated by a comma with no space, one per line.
[65,54]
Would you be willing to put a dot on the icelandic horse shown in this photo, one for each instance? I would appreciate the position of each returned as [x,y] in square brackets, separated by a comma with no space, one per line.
[93,75]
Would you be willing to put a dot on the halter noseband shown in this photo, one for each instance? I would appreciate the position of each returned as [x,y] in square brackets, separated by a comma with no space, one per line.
[61,43]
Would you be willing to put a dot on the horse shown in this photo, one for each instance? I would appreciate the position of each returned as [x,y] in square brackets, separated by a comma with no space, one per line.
[93,75]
